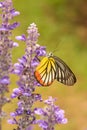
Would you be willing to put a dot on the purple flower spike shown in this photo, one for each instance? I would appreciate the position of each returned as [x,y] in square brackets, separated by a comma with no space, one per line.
[6,46]
[51,115]
[32,29]
[27,83]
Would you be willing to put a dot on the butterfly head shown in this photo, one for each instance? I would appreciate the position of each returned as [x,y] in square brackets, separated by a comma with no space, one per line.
[50,54]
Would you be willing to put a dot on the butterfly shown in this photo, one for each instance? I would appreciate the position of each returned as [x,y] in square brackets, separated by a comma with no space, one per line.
[52,67]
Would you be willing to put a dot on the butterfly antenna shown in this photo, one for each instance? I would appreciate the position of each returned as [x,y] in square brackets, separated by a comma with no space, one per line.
[54,50]
[56,47]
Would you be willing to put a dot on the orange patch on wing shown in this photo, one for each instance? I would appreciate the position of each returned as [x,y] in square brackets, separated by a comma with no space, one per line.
[38,77]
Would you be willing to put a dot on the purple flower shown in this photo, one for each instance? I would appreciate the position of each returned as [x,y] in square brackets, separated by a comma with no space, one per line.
[15,44]
[30,128]
[1,4]
[40,51]
[13,26]
[13,114]
[14,12]
[39,111]
[12,121]
[43,124]
[16,92]
[3,29]
[34,62]
[22,38]
[50,101]
[5,80]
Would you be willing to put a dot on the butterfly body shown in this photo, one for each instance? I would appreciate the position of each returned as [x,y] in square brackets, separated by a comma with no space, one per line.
[51,68]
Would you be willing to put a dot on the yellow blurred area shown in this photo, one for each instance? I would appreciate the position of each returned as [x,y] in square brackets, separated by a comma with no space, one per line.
[62,25]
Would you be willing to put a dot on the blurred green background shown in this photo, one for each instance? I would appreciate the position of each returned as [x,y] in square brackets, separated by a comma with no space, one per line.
[62,25]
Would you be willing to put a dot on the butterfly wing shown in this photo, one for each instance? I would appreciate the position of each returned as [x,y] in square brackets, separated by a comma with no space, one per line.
[64,73]
[45,72]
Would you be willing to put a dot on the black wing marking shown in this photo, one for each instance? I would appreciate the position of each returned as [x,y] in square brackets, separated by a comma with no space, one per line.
[64,73]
